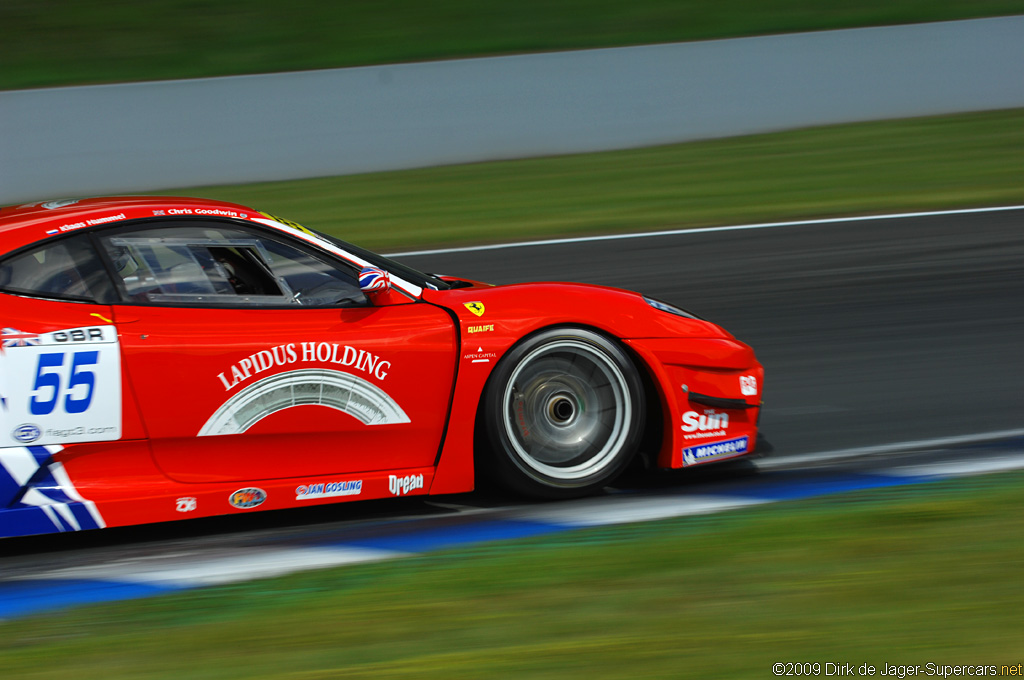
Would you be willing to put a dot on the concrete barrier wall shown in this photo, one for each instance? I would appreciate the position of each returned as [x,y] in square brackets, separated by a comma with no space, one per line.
[136,137]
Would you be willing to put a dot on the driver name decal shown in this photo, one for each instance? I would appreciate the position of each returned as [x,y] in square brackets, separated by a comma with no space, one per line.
[86,223]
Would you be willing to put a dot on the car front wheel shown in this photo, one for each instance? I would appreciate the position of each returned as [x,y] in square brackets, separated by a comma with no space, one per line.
[563,413]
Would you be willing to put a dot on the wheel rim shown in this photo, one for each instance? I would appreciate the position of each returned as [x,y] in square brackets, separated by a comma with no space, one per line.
[567,410]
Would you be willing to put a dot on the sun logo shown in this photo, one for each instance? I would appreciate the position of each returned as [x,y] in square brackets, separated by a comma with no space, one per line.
[475,307]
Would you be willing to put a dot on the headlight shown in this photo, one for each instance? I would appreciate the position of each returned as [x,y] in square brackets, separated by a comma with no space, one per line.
[671,309]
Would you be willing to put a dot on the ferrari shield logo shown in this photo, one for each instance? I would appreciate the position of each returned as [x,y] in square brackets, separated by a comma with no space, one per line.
[475,307]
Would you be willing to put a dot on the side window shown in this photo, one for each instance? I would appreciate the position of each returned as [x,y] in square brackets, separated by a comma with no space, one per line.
[314,282]
[223,266]
[68,269]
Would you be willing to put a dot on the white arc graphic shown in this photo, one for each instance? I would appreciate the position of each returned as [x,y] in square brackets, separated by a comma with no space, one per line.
[311,386]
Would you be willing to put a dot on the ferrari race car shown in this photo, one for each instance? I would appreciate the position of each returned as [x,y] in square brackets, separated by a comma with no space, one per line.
[168,358]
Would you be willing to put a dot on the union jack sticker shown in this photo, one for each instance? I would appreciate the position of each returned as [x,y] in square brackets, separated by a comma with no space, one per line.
[374,279]
[12,337]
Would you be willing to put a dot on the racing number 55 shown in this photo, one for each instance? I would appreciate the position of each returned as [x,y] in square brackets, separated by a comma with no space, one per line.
[47,389]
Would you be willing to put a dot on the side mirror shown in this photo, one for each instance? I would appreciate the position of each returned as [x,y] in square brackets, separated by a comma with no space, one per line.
[374,281]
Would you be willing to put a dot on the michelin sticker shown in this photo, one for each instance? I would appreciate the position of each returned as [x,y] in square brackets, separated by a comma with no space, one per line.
[60,387]
[706,452]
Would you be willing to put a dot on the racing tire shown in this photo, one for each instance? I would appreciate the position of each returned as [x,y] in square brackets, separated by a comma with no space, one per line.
[563,414]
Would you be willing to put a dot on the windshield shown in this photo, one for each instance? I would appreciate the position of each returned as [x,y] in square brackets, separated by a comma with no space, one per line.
[408,273]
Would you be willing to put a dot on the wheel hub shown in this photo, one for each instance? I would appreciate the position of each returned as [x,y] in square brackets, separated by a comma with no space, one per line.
[561,409]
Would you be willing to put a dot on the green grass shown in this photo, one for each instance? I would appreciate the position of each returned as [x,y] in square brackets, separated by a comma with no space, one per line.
[916,164]
[61,42]
[901,576]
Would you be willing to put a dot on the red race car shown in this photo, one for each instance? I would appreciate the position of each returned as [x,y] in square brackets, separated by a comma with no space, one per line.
[166,358]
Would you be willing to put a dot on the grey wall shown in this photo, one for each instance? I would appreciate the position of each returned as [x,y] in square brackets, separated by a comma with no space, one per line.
[136,137]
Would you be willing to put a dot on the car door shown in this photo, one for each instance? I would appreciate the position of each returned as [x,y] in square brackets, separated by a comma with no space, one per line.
[253,356]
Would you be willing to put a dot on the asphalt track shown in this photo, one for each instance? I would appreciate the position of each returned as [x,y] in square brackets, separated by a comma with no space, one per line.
[871,332]
[892,346]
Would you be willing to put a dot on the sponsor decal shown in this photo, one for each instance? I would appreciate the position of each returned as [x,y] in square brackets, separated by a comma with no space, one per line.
[748,385]
[306,352]
[27,433]
[82,434]
[53,205]
[305,492]
[247,498]
[487,328]
[704,425]
[731,447]
[475,307]
[399,486]
[288,223]
[186,504]
[479,356]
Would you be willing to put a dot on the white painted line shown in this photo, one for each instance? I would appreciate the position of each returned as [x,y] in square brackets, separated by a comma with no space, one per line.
[960,468]
[842,454]
[196,569]
[705,230]
[626,509]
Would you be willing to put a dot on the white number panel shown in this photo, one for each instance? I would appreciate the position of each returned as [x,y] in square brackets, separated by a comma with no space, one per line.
[60,387]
